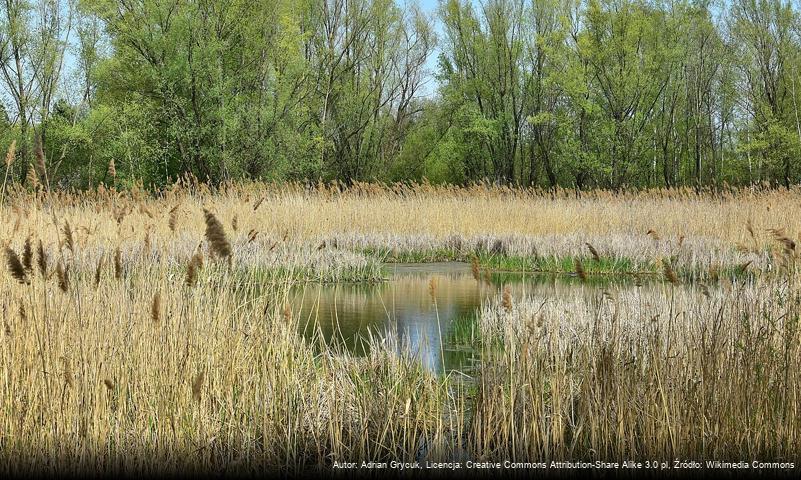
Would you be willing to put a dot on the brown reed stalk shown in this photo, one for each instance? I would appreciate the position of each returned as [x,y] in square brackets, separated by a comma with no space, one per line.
[252,234]
[235,222]
[108,383]
[15,267]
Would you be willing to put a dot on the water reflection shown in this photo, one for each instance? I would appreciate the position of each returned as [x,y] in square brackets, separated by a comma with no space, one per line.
[429,309]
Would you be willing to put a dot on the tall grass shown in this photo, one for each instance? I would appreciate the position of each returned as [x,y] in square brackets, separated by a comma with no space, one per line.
[141,337]
[655,374]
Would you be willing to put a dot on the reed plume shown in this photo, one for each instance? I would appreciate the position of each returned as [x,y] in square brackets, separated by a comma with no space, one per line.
[9,160]
[173,218]
[475,269]
[743,267]
[258,203]
[63,274]
[108,383]
[117,263]
[593,251]
[15,267]
[215,234]
[31,178]
[506,299]
[68,238]
[195,264]
[27,255]
[69,378]
[669,274]
[582,274]
[155,308]
[112,169]
[42,259]
[144,210]
[11,153]
[147,246]
[787,243]
[40,157]
[98,270]
[235,222]
[197,385]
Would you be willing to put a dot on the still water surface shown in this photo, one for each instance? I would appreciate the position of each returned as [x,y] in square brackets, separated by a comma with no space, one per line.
[433,323]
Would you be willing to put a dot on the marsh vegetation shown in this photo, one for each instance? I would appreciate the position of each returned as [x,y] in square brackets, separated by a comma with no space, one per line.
[189,331]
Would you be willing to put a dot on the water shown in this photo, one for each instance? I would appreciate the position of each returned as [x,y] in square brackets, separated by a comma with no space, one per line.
[429,308]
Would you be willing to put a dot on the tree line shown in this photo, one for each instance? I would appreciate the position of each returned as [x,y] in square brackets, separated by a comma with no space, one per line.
[572,93]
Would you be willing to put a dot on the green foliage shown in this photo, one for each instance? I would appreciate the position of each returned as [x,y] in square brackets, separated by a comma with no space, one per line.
[547,93]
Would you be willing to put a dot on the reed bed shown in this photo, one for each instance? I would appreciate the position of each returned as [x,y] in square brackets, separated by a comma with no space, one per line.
[698,234]
[154,333]
[677,372]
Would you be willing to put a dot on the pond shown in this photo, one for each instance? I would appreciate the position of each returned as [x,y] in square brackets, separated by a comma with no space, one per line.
[430,309]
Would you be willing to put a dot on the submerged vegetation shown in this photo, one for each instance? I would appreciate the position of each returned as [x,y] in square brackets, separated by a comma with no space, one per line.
[155,333]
